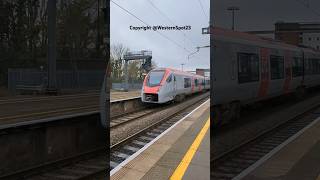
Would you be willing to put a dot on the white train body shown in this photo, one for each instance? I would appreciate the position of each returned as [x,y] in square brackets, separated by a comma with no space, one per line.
[164,84]
[247,68]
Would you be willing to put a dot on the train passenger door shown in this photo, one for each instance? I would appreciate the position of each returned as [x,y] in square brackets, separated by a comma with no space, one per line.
[174,84]
[264,81]
[288,73]
[170,86]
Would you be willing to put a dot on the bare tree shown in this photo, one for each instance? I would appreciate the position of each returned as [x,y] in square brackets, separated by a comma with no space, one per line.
[134,71]
[116,56]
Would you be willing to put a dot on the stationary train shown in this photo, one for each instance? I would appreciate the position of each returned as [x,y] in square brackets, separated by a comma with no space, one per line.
[162,85]
[247,68]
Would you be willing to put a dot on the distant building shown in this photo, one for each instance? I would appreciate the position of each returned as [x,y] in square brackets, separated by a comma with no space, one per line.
[203,72]
[305,34]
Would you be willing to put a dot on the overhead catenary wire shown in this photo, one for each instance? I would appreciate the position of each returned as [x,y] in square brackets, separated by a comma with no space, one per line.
[205,14]
[306,5]
[164,36]
[170,20]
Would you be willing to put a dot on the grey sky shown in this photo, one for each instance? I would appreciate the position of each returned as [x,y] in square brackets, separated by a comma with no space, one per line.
[262,14]
[165,53]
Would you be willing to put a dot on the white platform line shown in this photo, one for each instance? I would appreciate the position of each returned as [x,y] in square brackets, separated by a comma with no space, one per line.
[122,164]
[274,151]
[125,99]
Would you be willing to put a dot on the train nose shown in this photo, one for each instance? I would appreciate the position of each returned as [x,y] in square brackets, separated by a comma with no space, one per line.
[151,97]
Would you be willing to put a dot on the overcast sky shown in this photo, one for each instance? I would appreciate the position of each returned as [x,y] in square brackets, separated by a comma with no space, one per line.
[262,14]
[165,53]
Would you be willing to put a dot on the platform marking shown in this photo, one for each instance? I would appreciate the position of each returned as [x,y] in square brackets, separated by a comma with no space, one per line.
[181,169]
[274,151]
[122,164]
[124,99]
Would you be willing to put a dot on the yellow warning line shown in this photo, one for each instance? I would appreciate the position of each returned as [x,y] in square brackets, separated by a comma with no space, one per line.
[181,169]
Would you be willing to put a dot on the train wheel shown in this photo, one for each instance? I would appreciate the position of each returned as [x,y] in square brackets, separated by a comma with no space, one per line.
[179,98]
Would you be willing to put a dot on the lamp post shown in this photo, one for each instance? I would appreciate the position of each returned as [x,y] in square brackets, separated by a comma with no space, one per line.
[233,8]
[182,64]
[198,48]
[52,71]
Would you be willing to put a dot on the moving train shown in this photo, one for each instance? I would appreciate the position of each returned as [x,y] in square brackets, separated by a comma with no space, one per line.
[162,85]
[247,68]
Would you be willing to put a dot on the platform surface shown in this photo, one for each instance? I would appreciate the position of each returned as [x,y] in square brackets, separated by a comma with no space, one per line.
[161,160]
[20,109]
[118,95]
[297,160]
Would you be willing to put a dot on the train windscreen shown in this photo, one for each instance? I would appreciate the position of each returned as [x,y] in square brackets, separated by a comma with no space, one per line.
[155,78]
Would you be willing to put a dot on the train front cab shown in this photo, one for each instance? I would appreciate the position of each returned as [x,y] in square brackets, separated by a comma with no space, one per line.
[159,86]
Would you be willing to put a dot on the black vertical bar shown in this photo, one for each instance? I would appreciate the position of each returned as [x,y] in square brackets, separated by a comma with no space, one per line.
[108,81]
[211,55]
[233,20]
[98,27]
[303,67]
[211,79]
[52,81]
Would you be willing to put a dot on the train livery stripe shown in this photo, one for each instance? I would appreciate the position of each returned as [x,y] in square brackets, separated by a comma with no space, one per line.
[192,84]
[264,83]
[151,90]
[165,76]
[287,65]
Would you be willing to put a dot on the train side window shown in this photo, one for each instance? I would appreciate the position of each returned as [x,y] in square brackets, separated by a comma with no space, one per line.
[169,78]
[315,66]
[187,82]
[318,66]
[312,66]
[276,67]
[196,82]
[307,68]
[297,67]
[248,67]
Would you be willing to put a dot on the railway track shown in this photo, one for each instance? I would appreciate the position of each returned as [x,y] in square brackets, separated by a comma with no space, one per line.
[230,164]
[88,165]
[84,159]
[121,151]
[122,119]
[126,118]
